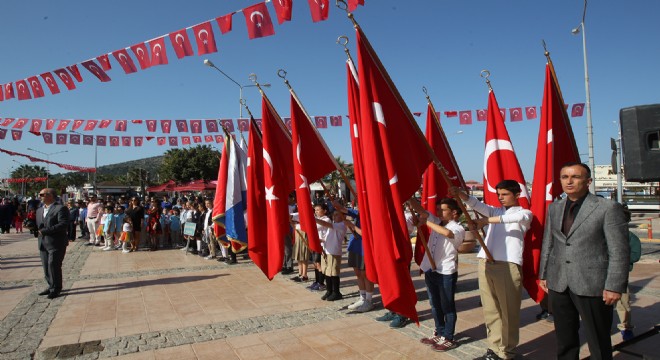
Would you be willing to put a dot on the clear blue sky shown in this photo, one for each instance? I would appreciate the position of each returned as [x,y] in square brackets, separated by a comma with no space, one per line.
[442,45]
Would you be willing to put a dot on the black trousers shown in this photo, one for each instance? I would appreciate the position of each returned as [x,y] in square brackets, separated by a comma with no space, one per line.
[288,252]
[568,308]
[51,260]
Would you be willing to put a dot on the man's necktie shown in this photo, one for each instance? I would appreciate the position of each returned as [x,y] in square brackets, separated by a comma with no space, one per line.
[568,221]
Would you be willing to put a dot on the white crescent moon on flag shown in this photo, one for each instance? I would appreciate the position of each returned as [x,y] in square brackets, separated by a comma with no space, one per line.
[516,112]
[482,113]
[21,87]
[256,13]
[199,34]
[378,113]
[355,131]
[466,116]
[177,37]
[35,84]
[49,81]
[140,52]
[159,49]
[123,58]
[269,161]
[64,77]
[298,151]
[491,147]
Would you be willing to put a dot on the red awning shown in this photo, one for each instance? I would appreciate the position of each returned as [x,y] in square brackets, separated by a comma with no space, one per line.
[197,185]
[168,186]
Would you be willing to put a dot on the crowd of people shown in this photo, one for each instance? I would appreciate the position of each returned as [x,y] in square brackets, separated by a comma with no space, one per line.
[584,267]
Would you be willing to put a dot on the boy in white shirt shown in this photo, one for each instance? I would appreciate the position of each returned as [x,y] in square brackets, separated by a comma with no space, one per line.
[445,238]
[331,258]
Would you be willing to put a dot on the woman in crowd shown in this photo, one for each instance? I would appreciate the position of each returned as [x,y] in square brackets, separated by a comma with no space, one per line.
[136,213]
[154,228]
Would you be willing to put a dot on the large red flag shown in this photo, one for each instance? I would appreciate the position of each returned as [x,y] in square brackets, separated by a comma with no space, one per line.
[257,19]
[397,155]
[434,186]
[283,8]
[319,9]
[311,161]
[181,43]
[256,202]
[205,38]
[555,147]
[500,161]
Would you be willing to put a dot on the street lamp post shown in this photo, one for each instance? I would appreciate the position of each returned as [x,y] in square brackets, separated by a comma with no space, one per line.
[208,63]
[48,161]
[96,152]
[590,135]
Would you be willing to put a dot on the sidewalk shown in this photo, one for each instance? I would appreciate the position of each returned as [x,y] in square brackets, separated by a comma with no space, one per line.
[168,305]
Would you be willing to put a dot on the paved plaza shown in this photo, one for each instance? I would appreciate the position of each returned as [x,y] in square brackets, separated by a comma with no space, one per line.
[169,305]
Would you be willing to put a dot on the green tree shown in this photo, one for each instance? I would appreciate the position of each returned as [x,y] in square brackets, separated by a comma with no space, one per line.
[195,163]
[61,181]
[29,172]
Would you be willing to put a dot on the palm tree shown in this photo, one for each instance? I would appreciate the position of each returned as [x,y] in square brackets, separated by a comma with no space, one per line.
[28,172]
[334,178]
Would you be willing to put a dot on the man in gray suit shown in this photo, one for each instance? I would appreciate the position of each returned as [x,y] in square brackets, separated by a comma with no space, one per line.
[584,264]
[52,225]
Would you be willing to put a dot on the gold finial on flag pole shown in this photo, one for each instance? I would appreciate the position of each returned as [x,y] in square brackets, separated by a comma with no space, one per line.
[486,74]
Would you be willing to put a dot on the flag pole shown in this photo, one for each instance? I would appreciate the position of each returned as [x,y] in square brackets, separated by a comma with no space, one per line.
[282,73]
[409,117]
[278,119]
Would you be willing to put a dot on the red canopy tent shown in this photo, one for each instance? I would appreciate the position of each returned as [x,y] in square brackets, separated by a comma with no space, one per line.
[197,185]
[168,186]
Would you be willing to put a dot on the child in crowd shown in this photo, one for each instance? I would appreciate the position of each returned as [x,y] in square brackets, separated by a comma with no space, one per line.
[331,257]
[117,223]
[108,228]
[18,221]
[165,225]
[127,235]
[175,226]
[320,212]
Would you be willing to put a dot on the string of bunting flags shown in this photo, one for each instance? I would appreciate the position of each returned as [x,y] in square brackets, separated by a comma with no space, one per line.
[63,166]
[197,126]
[24,180]
[153,52]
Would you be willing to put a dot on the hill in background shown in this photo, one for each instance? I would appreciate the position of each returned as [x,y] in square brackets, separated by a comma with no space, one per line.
[151,165]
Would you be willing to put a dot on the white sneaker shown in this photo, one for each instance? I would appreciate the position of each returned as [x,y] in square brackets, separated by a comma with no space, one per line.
[210,257]
[125,251]
[365,307]
[107,248]
[356,304]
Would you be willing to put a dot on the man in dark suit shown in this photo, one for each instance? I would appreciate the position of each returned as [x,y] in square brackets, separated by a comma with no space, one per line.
[52,225]
[584,264]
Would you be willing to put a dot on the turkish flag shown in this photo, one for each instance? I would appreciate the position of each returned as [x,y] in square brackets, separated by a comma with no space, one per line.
[181,43]
[23,91]
[3,135]
[283,9]
[205,38]
[257,19]
[197,139]
[219,139]
[224,22]
[142,54]
[174,141]
[96,70]
[100,140]
[243,124]
[114,140]
[7,121]
[91,124]
[503,113]
[530,111]
[397,155]
[482,115]
[353,4]
[49,79]
[335,120]
[161,140]
[38,91]
[73,69]
[9,91]
[151,125]
[36,125]
[16,135]
[227,124]
[451,114]
[577,111]
[104,124]
[137,140]
[516,114]
[321,122]
[500,161]
[125,61]
[48,137]
[125,141]
[465,117]
[165,125]
[434,186]
[136,121]
[120,125]
[311,161]
[66,78]
[88,139]
[181,125]
[20,123]
[64,123]
[185,140]
[74,139]
[211,125]
[50,123]
[196,126]
[555,128]
[60,139]
[258,244]
[158,52]
[104,61]
[208,138]
[319,9]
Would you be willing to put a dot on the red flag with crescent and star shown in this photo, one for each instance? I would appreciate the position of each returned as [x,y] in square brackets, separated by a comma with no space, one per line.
[311,161]
[555,147]
[158,52]
[397,155]
[204,38]
[530,112]
[283,9]
[73,69]
[120,125]
[36,125]
[104,61]
[181,43]
[256,203]
[48,137]
[151,125]
[165,126]
[101,140]
[49,79]
[500,161]
[92,67]
[74,139]
[257,19]
[465,117]
[50,123]
[137,140]
[142,55]
[23,91]
[37,90]
[125,61]
[20,123]
[319,9]
[224,22]
[576,111]
[9,91]
[516,114]
[181,125]
[66,78]
[16,135]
